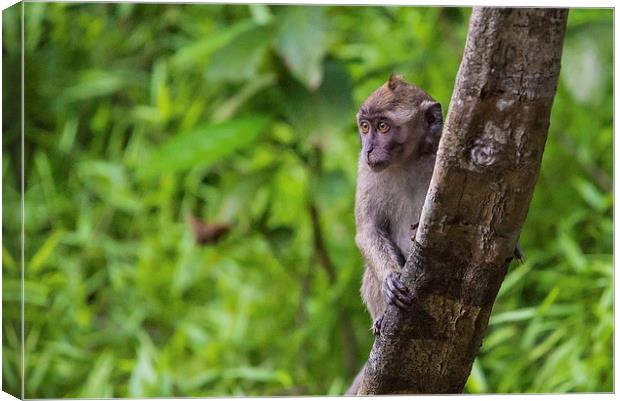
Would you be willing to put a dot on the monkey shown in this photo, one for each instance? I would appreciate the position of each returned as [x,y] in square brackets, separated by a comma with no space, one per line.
[399,127]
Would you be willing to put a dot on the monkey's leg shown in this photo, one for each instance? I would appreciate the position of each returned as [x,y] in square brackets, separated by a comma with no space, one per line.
[396,292]
[373,298]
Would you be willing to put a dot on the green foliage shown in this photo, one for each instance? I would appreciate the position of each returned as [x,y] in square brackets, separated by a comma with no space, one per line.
[138,115]
[203,145]
[302,34]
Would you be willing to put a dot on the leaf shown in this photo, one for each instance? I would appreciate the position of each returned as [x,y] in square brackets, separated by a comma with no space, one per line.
[583,70]
[189,383]
[38,372]
[7,260]
[573,253]
[230,106]
[34,293]
[326,111]
[328,187]
[109,180]
[160,90]
[34,26]
[45,252]
[207,233]
[260,13]
[477,382]
[98,384]
[199,51]
[302,43]
[69,132]
[97,83]
[203,145]
[514,277]
[258,374]
[513,316]
[239,59]
[590,194]
[143,374]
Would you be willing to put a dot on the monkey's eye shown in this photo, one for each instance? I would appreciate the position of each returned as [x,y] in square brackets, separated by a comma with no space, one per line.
[383,127]
[365,127]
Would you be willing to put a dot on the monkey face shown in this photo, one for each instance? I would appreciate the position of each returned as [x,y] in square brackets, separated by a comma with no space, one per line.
[382,142]
[396,121]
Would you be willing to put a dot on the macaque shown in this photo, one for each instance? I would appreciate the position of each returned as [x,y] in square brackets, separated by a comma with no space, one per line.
[400,126]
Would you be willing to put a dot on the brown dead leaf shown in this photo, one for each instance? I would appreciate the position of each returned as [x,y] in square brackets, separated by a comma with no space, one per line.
[207,233]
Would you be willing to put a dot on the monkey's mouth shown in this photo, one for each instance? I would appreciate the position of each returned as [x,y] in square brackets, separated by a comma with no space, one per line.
[378,166]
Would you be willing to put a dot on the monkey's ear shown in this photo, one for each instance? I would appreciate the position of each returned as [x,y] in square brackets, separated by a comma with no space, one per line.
[432,113]
[394,81]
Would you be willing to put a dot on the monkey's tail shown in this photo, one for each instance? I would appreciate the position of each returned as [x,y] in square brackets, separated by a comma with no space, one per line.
[356,382]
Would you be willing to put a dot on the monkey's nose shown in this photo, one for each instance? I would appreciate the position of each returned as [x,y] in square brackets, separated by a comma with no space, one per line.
[369,150]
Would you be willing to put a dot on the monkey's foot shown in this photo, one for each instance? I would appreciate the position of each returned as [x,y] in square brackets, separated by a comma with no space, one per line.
[376,326]
[396,292]
[413,230]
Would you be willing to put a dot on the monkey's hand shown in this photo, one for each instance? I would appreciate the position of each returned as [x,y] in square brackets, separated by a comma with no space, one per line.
[396,292]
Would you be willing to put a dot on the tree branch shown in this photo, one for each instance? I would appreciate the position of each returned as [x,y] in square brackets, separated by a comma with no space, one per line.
[487,166]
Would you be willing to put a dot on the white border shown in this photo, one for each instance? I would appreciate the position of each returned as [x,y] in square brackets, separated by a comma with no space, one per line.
[590,4]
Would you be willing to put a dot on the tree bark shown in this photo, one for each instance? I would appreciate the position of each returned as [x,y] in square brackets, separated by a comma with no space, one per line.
[486,169]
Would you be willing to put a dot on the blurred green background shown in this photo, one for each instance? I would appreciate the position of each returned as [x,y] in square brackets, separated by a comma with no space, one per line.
[139,115]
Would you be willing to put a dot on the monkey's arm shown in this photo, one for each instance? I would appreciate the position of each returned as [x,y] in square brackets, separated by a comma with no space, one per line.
[379,251]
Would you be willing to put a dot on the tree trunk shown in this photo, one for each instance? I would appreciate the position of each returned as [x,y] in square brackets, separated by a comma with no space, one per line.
[487,166]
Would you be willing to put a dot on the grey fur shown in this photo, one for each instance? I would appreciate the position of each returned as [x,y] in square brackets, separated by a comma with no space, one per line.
[387,204]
